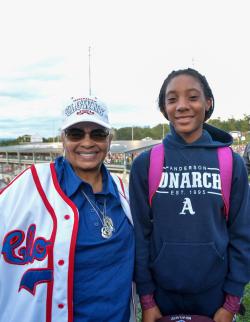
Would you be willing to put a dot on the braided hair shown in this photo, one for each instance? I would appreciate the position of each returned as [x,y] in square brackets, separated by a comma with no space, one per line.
[191,72]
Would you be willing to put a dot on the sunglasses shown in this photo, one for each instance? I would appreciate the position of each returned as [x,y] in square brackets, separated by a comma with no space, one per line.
[75,134]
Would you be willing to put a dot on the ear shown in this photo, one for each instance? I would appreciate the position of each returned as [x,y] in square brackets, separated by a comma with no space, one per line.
[208,104]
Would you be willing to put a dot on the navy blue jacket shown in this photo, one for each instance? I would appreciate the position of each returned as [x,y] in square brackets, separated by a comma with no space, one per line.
[184,243]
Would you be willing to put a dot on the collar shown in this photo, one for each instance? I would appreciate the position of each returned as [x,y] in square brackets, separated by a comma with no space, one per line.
[205,138]
[72,182]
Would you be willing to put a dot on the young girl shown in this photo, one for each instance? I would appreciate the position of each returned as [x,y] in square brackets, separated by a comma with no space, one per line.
[189,258]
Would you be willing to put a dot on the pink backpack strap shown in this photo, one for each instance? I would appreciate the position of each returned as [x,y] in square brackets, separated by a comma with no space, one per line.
[225,158]
[155,169]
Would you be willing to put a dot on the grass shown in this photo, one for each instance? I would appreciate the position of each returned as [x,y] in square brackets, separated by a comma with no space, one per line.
[138,318]
[246,302]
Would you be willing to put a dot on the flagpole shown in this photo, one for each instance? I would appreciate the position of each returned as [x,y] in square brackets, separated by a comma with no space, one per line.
[89,70]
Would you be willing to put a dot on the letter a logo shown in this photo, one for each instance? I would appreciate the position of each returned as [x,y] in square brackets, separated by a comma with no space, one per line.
[187,206]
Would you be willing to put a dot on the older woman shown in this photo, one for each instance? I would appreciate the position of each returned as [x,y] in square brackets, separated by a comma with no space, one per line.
[66,234]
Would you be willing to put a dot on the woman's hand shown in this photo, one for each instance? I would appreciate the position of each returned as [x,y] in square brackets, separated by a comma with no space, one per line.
[222,315]
[151,315]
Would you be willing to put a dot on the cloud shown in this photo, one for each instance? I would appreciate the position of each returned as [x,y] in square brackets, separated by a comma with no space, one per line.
[44,126]
[134,45]
[21,95]
[30,83]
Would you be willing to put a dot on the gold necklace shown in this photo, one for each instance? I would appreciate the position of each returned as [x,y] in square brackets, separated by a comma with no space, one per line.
[107,223]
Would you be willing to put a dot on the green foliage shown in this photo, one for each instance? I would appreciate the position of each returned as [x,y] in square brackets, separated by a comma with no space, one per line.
[232,124]
[8,142]
[138,133]
[157,132]
[246,303]
[139,314]
[19,140]
[52,139]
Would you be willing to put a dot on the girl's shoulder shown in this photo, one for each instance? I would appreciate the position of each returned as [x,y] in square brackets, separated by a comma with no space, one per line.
[142,159]
[237,159]
[140,167]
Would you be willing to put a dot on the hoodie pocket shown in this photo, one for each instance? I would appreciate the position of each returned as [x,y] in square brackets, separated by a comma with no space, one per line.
[189,267]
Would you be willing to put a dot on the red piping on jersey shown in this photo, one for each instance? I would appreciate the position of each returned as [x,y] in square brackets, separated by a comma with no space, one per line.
[52,239]
[72,244]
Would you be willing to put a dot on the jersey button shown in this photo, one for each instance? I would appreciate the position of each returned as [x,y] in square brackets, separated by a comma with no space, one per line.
[60,306]
[67,217]
[60,262]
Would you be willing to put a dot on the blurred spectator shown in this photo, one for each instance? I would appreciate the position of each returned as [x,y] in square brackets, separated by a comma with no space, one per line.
[246,157]
[239,148]
[2,184]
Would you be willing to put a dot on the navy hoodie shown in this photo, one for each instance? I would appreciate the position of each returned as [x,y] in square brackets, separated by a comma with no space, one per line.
[183,242]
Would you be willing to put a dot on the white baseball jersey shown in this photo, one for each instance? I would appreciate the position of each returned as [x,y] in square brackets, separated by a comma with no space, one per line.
[38,231]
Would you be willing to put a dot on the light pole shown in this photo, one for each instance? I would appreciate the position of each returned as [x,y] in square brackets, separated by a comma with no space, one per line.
[89,71]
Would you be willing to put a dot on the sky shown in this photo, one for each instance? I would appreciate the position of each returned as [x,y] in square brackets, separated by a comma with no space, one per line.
[135,44]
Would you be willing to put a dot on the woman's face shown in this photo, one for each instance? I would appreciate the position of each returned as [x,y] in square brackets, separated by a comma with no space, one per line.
[185,106]
[86,153]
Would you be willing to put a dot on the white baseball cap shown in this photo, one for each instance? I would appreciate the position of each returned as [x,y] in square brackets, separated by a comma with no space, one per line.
[85,109]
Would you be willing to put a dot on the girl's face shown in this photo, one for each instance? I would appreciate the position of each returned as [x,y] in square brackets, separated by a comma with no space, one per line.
[185,105]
